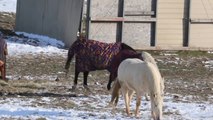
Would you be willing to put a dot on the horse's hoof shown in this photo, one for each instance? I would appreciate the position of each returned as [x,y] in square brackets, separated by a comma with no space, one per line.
[57,79]
[73,88]
[147,98]
[87,88]
[110,105]
[108,87]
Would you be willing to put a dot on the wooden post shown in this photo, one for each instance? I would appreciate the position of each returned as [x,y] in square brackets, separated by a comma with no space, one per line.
[120,24]
[186,23]
[88,20]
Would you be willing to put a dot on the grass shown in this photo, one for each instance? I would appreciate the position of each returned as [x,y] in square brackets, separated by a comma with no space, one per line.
[41,119]
[3,83]
[194,54]
[30,84]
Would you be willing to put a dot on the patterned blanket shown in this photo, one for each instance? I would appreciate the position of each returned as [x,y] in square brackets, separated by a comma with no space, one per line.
[93,55]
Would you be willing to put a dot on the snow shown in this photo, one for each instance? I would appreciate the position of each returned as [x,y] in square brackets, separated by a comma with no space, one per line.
[33,45]
[8,6]
[24,108]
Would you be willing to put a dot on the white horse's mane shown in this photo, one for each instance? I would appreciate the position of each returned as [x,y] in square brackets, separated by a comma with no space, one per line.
[148,58]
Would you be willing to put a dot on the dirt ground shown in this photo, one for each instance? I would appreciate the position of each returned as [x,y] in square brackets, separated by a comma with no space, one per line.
[185,72]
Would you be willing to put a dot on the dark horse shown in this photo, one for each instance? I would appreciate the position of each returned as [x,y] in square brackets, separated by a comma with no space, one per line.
[93,55]
[122,55]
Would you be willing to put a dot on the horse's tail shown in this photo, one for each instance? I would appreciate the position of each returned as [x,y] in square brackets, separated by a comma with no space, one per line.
[124,46]
[148,58]
[115,93]
[71,53]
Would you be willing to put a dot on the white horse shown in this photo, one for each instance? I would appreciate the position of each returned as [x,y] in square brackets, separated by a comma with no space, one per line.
[115,92]
[135,75]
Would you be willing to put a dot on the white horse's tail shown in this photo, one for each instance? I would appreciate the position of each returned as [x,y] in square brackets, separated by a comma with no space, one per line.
[148,58]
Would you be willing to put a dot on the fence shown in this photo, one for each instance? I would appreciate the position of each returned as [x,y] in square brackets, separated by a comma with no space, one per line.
[152,24]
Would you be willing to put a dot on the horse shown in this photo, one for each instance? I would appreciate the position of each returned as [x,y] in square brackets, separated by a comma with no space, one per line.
[3,53]
[91,55]
[145,56]
[113,67]
[143,78]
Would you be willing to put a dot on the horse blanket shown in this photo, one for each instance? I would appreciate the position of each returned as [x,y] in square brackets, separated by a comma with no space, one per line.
[93,55]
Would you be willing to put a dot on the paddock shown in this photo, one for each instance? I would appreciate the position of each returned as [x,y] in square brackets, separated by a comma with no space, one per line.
[187,85]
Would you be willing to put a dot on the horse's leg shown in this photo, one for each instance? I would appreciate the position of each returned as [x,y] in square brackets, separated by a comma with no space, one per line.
[110,80]
[130,95]
[147,97]
[75,80]
[3,73]
[138,103]
[2,70]
[126,98]
[85,80]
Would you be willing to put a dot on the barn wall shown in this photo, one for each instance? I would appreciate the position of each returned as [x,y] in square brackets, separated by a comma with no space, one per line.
[55,18]
[122,20]
[103,9]
[170,14]
[201,27]
[142,24]
[138,34]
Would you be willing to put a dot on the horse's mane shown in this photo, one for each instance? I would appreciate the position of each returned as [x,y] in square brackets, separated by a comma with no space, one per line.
[124,46]
[155,75]
[148,58]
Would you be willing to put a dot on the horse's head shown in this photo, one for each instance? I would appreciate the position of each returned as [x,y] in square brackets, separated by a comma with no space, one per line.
[157,102]
[156,106]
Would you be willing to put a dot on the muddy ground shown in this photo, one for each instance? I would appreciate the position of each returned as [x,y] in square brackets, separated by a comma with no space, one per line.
[185,73]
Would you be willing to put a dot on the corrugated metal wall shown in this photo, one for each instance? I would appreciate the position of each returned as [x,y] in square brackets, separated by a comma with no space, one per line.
[55,18]
[201,25]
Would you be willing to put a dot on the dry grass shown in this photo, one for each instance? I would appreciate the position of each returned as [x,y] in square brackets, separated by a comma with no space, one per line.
[7,21]
[29,84]
[3,83]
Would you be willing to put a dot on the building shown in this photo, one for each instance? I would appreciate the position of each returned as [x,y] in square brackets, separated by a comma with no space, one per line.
[153,24]
[58,19]
[142,24]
